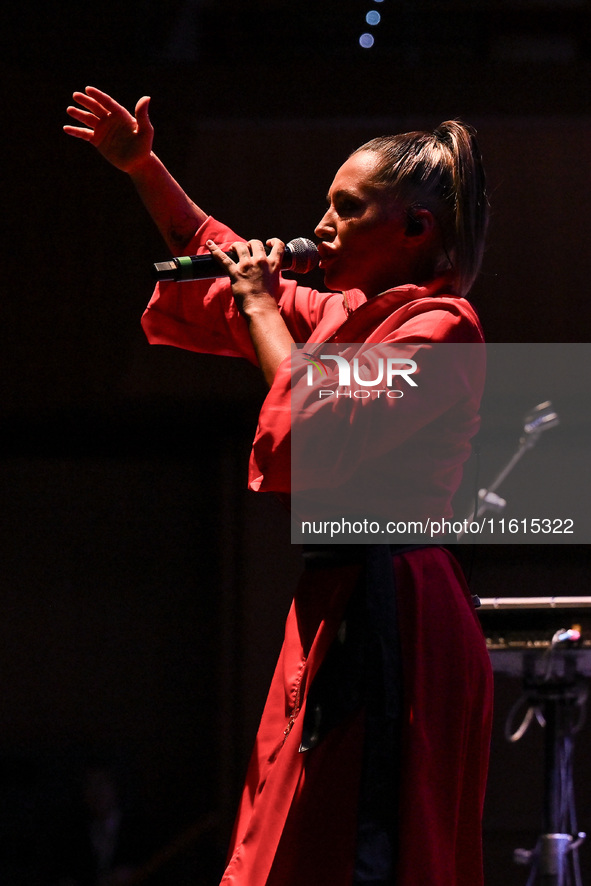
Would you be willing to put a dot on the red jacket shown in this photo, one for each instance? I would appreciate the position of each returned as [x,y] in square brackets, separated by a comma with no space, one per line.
[298,815]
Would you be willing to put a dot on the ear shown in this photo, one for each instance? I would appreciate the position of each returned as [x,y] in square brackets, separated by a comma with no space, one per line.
[420,222]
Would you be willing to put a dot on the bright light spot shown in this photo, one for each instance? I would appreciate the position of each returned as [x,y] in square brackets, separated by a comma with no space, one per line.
[373,17]
[367,41]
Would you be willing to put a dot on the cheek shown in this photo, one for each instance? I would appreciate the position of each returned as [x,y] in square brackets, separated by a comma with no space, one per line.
[355,235]
[365,243]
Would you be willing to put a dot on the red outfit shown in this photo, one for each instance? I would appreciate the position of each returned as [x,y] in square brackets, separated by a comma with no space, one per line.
[297,821]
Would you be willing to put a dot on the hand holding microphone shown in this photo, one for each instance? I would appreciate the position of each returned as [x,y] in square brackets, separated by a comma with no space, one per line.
[300,256]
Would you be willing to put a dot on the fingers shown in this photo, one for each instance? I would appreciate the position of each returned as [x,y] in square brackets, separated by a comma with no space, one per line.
[256,249]
[222,258]
[101,105]
[277,248]
[269,256]
[84,117]
[124,140]
[241,250]
[254,275]
[101,99]
[141,109]
[214,248]
[90,115]
[88,119]
[86,134]
[96,100]
[91,104]
[252,249]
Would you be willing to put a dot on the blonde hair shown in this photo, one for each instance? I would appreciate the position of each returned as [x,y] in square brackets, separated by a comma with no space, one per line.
[440,171]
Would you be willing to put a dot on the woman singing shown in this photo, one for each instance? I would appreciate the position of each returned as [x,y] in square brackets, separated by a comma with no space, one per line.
[370,761]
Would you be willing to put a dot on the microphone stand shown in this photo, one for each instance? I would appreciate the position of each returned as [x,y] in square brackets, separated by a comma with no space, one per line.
[541,418]
[556,693]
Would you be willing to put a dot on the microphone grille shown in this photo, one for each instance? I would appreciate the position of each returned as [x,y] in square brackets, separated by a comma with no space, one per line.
[304,255]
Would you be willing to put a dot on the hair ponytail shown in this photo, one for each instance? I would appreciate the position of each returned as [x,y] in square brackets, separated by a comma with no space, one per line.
[441,171]
[471,204]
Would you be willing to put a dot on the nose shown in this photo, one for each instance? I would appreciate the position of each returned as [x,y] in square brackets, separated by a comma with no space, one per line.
[325,230]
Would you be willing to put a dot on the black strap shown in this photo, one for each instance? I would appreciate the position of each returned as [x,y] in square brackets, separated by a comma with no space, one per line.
[363,669]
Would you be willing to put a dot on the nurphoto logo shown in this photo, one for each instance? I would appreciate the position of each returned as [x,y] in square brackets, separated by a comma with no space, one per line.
[386,371]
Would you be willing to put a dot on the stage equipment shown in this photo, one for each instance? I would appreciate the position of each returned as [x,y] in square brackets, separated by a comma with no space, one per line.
[541,418]
[546,641]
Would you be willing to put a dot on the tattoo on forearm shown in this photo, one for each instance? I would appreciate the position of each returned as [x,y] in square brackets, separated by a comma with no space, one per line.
[181,232]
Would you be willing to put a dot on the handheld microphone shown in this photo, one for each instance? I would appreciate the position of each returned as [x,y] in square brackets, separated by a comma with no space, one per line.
[300,256]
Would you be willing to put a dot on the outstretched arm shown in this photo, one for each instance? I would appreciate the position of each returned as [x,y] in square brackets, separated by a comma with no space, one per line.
[126,142]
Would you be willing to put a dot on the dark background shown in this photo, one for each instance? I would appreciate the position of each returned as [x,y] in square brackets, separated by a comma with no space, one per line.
[143,590]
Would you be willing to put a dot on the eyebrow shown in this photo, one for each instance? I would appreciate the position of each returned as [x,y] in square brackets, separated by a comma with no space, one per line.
[343,193]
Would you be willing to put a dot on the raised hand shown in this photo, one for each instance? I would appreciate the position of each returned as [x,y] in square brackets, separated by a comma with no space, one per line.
[124,140]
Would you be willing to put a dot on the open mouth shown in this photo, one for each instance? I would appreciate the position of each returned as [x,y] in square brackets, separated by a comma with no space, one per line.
[326,254]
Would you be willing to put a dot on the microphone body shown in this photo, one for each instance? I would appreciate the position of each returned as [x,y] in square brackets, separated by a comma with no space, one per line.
[300,256]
